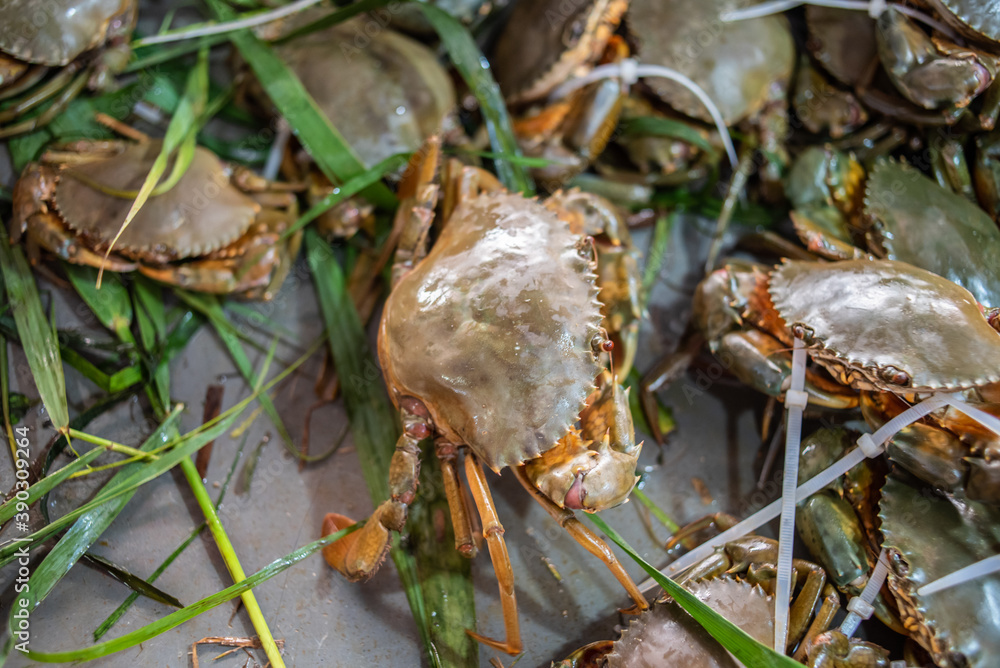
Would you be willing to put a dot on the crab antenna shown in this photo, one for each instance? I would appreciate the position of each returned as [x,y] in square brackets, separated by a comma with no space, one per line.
[875,8]
[608,346]
[630,70]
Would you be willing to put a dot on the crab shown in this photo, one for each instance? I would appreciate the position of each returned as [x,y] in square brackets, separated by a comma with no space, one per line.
[491,343]
[935,78]
[900,207]
[386,93]
[744,67]
[543,45]
[928,535]
[737,581]
[86,40]
[219,229]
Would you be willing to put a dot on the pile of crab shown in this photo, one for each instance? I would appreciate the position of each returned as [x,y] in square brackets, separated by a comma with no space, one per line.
[511,321]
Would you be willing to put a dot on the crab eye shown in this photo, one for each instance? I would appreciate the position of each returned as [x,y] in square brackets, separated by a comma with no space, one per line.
[573,32]
[896,376]
[608,346]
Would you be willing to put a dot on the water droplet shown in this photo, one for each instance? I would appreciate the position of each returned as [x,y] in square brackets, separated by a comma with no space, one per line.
[400,110]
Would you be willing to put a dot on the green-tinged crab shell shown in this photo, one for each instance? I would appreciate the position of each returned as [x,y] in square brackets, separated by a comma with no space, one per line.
[201,213]
[665,635]
[386,93]
[874,318]
[909,209]
[929,535]
[492,331]
[735,63]
[55,32]
[976,19]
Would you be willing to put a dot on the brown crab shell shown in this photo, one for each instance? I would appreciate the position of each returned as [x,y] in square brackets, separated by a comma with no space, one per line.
[200,214]
[55,32]
[666,635]
[737,64]
[873,318]
[929,535]
[492,331]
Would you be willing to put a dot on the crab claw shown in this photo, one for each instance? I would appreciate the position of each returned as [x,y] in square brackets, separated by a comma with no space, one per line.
[590,470]
[357,555]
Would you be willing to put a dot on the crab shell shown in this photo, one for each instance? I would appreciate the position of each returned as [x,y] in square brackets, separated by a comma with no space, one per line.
[493,330]
[735,63]
[929,535]
[887,325]
[979,20]
[666,635]
[385,92]
[201,213]
[56,31]
[909,208]
[545,43]
[842,41]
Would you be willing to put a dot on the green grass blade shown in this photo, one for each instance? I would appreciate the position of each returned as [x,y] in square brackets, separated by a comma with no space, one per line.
[37,338]
[132,581]
[373,421]
[137,475]
[113,618]
[351,187]
[180,138]
[473,67]
[177,618]
[333,18]
[226,331]
[47,484]
[78,539]
[668,127]
[327,147]
[110,303]
[445,575]
[734,639]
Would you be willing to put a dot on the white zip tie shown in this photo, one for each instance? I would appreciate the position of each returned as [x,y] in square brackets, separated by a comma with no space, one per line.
[230,26]
[875,9]
[630,70]
[972,571]
[868,443]
[786,534]
[860,607]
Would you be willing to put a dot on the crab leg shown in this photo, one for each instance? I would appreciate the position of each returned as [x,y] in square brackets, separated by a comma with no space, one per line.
[493,532]
[584,536]
[460,521]
[359,555]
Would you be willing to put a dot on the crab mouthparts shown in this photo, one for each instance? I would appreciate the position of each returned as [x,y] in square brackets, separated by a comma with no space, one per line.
[575,495]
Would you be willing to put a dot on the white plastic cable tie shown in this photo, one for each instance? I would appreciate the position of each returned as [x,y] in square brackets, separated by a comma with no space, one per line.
[796,398]
[989,421]
[860,607]
[869,446]
[979,569]
[876,8]
[629,72]
[786,532]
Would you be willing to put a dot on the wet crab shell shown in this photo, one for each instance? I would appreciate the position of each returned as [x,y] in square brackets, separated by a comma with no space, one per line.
[54,33]
[493,330]
[735,63]
[201,213]
[842,40]
[909,208]
[977,19]
[386,93]
[888,325]
[929,535]
[668,636]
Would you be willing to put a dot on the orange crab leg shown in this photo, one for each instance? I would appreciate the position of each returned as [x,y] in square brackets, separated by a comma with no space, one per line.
[585,537]
[460,521]
[493,532]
